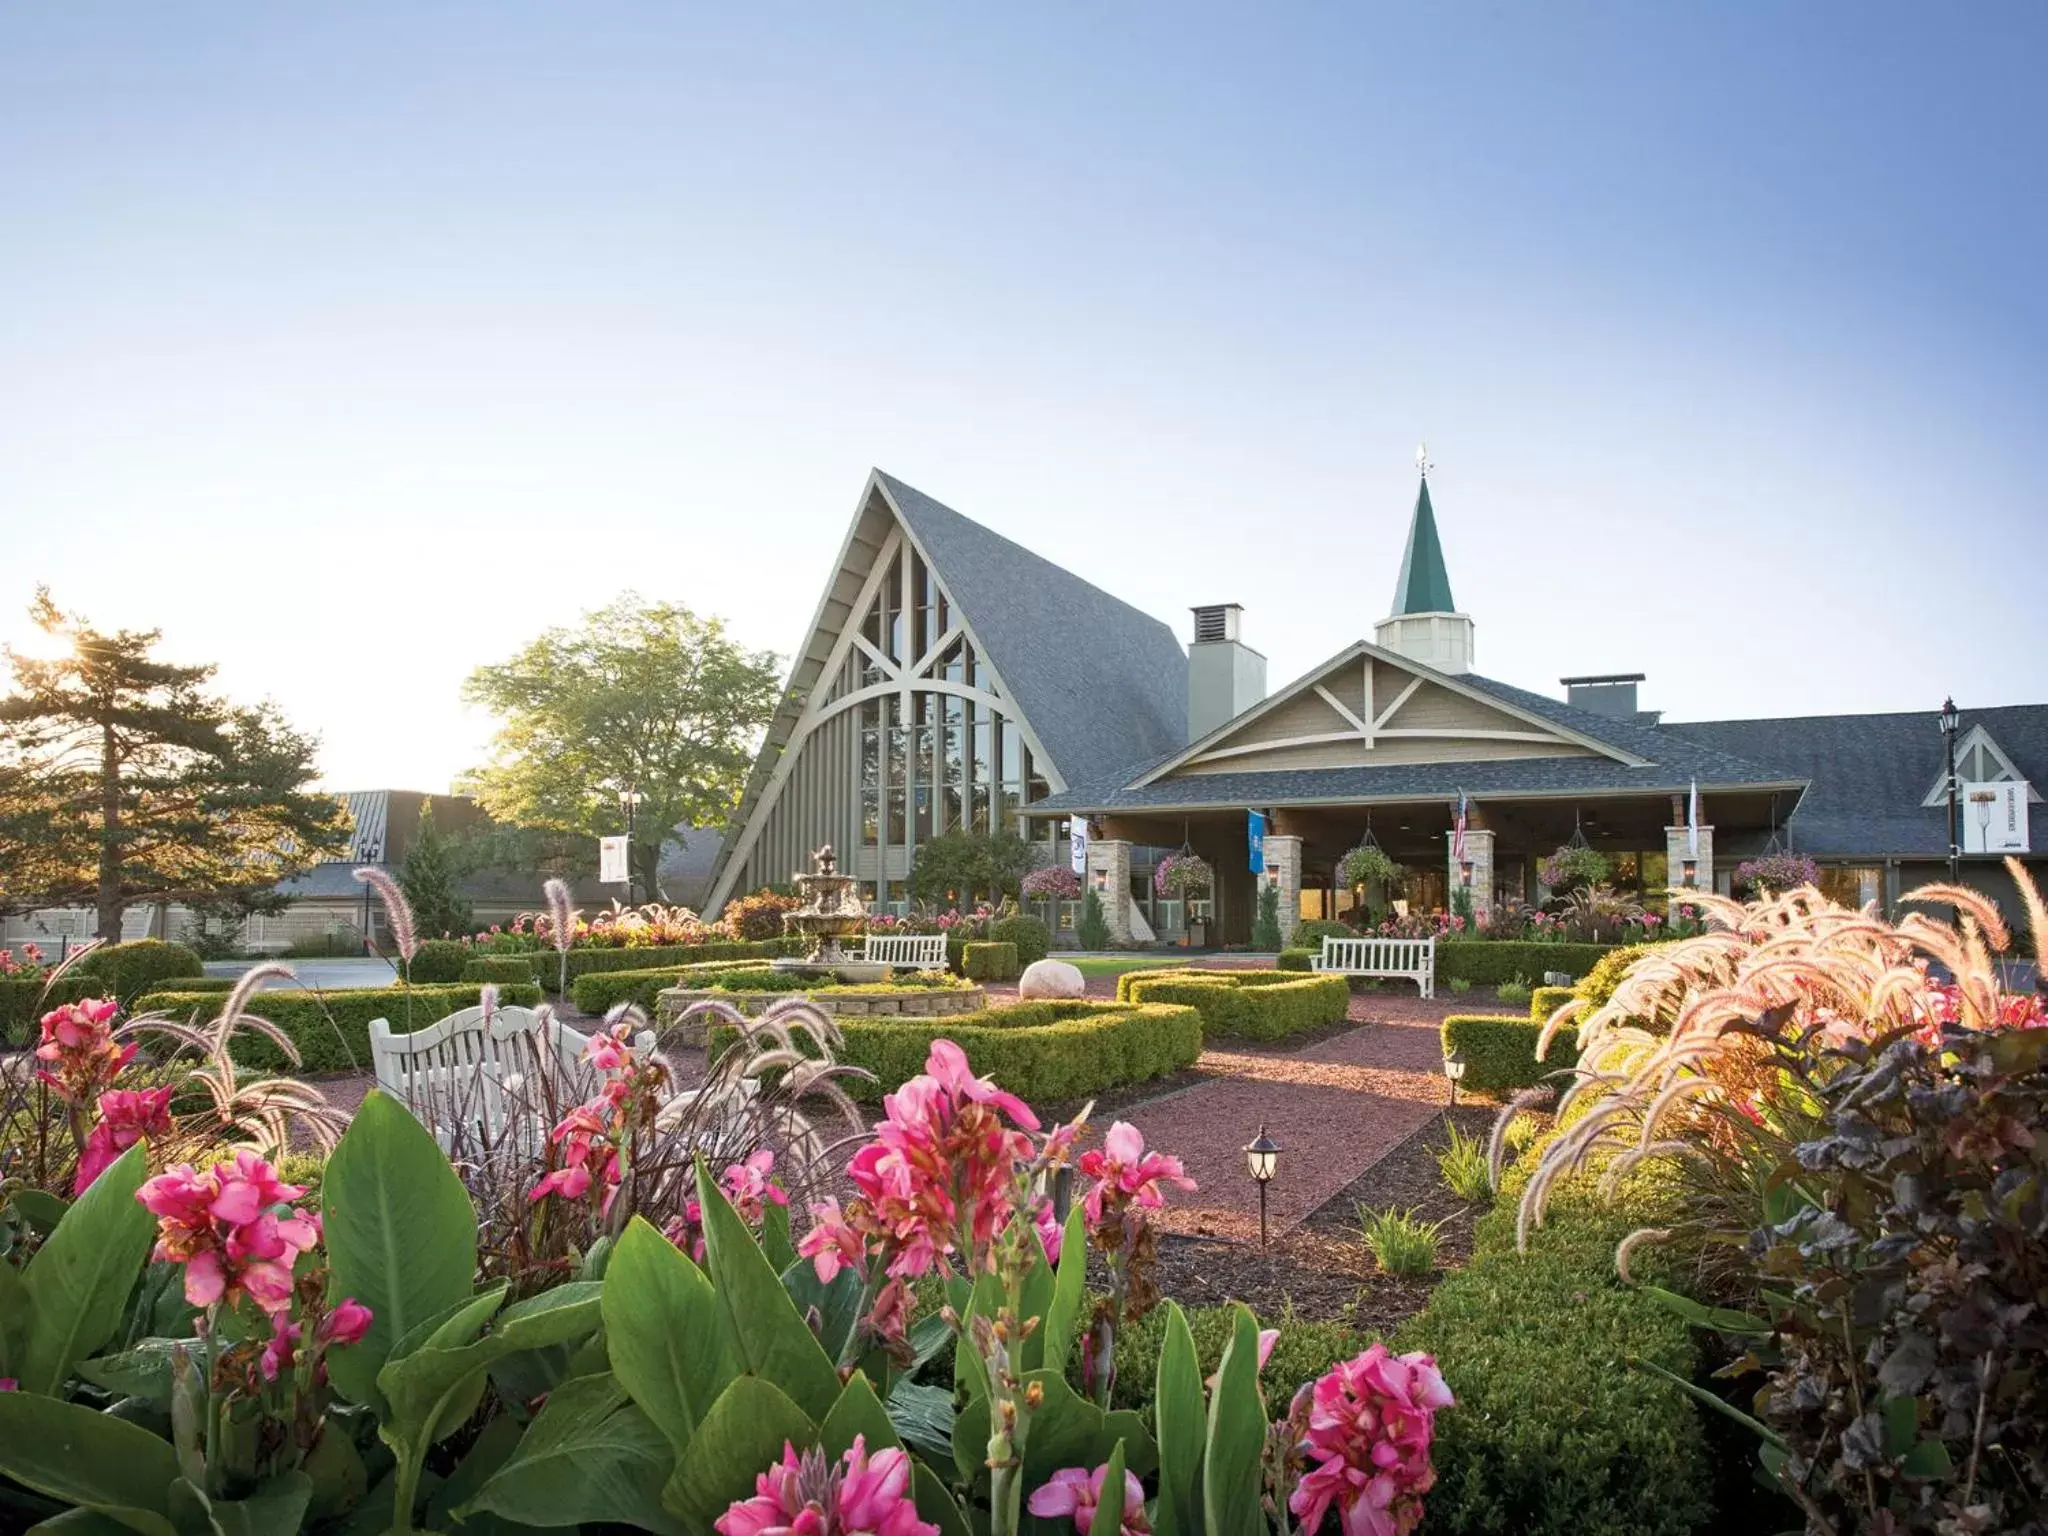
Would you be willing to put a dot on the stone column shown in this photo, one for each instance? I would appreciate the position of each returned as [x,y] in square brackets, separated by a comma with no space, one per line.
[1283,868]
[1675,857]
[1109,868]
[1479,850]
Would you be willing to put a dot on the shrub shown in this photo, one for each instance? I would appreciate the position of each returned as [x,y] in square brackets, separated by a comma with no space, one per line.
[1297,960]
[128,970]
[1597,985]
[1304,1351]
[582,961]
[1459,984]
[502,970]
[330,1029]
[1400,1242]
[750,919]
[1092,931]
[438,960]
[1266,926]
[1310,934]
[1500,1050]
[1045,1052]
[334,944]
[1030,934]
[1463,1166]
[24,1000]
[1513,993]
[1545,1001]
[1554,1433]
[1255,1005]
[990,962]
[598,992]
[1489,962]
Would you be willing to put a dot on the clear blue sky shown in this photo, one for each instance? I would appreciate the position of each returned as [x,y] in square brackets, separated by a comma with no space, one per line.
[352,345]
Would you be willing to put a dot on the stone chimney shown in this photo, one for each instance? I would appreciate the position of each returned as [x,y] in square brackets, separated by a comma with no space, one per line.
[1226,677]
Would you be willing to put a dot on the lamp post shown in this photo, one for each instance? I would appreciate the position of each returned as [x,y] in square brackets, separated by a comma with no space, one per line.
[369,854]
[1950,719]
[629,802]
[1454,1069]
[1263,1158]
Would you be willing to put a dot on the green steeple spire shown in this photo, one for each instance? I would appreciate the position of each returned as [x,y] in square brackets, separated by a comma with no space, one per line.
[1424,585]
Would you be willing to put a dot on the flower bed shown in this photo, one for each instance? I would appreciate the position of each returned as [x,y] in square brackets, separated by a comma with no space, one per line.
[1056,1051]
[1254,1005]
[331,1029]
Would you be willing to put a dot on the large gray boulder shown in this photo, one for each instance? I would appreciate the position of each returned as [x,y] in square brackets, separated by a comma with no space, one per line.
[1052,978]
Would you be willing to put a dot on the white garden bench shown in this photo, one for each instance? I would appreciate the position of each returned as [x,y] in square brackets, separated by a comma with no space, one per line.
[919,951]
[466,1068]
[1389,959]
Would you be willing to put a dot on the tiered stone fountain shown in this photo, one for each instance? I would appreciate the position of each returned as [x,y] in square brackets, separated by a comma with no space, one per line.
[831,912]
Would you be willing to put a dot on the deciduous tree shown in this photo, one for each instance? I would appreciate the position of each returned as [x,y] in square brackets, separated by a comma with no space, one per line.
[641,696]
[125,781]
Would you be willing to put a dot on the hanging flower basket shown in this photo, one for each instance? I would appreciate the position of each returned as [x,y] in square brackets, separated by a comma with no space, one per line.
[1775,873]
[1055,882]
[1366,864]
[1572,867]
[1184,875]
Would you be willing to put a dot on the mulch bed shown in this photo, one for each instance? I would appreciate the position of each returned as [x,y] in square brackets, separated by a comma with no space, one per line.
[1322,1270]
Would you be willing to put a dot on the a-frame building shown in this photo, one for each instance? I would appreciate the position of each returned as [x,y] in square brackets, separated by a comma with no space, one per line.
[949,678]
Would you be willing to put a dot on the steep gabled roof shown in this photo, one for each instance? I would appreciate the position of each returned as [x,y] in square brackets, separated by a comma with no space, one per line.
[1101,683]
[1869,773]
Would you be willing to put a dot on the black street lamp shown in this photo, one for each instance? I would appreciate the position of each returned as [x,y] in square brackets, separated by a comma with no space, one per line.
[1454,1069]
[1950,720]
[1263,1158]
[629,801]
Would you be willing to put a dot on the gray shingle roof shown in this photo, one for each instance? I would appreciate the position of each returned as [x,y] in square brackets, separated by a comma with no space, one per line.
[1869,773]
[1102,684]
[1674,762]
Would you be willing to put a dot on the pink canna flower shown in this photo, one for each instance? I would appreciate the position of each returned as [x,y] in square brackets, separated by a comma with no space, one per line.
[126,1117]
[749,1188]
[1125,1172]
[9,1384]
[832,1244]
[347,1323]
[947,1065]
[1075,1492]
[1050,1235]
[232,1228]
[807,1495]
[78,1043]
[1370,1423]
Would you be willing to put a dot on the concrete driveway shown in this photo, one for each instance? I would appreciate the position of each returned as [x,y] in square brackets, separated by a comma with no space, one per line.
[327,975]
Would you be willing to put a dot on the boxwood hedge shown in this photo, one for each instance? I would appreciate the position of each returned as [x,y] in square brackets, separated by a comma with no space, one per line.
[126,971]
[989,961]
[1545,1001]
[599,992]
[544,963]
[1500,1050]
[505,970]
[1554,1434]
[1254,1005]
[1489,962]
[331,1029]
[1044,1052]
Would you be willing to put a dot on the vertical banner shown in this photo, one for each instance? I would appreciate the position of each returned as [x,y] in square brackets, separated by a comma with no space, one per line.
[611,861]
[1692,823]
[1077,835]
[1255,839]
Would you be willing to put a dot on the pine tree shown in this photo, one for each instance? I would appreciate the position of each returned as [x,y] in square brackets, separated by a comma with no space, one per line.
[125,782]
[1266,926]
[1093,930]
[429,877]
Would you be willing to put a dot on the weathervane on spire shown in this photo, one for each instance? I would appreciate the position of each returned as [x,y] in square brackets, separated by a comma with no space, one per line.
[1422,459]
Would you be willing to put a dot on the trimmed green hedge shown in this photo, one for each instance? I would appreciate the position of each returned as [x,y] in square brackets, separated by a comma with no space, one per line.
[331,1029]
[1046,1052]
[1310,932]
[23,1004]
[502,970]
[1489,962]
[1030,934]
[1297,959]
[652,957]
[129,970]
[1597,986]
[437,961]
[1500,1050]
[990,961]
[1255,1005]
[1545,1001]
[1554,1434]
[599,992]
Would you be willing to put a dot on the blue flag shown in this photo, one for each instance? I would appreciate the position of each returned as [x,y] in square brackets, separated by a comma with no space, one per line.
[1255,835]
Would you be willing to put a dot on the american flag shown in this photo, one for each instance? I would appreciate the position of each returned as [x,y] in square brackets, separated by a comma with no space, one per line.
[1458,831]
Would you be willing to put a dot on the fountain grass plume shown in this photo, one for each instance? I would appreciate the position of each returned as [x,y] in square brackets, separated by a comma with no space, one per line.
[561,930]
[397,911]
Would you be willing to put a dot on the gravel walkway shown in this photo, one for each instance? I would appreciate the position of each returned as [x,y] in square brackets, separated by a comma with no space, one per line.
[1336,1107]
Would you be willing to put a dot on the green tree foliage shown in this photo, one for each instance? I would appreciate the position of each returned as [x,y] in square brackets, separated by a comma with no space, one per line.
[1266,925]
[124,781]
[641,696]
[430,878]
[961,867]
[1093,929]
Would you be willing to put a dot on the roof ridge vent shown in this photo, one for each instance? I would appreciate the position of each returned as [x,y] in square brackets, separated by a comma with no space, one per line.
[1217,622]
